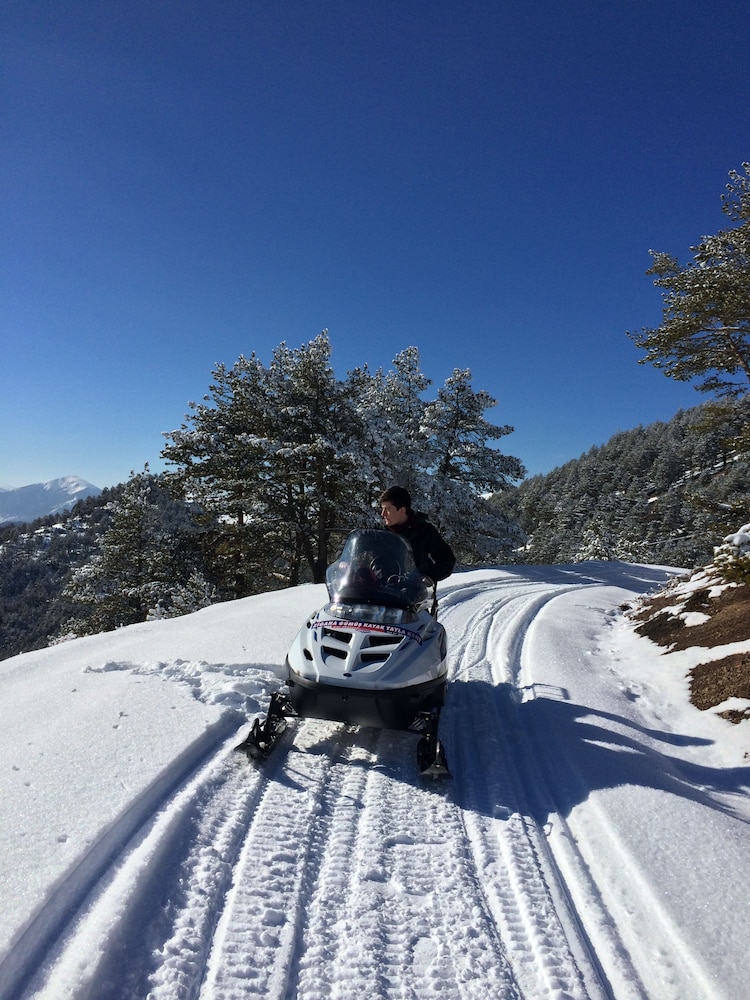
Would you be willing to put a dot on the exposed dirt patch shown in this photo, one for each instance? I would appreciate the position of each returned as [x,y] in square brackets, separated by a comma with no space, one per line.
[729,621]
[710,682]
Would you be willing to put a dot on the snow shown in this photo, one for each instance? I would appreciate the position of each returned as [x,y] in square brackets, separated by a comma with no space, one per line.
[27,503]
[593,841]
[740,539]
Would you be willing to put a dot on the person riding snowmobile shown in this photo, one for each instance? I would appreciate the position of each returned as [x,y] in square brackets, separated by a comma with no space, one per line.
[432,554]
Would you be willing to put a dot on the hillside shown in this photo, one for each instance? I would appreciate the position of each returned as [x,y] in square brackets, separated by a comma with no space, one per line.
[705,610]
[36,562]
[664,493]
[39,561]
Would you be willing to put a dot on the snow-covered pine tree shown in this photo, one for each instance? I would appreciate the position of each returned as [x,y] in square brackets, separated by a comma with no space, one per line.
[705,330]
[316,488]
[458,435]
[271,457]
[136,567]
[465,470]
[286,460]
[219,458]
[392,409]
[185,598]
[732,557]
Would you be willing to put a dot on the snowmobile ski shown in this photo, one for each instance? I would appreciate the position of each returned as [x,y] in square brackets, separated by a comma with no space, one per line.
[266,732]
[438,768]
[431,759]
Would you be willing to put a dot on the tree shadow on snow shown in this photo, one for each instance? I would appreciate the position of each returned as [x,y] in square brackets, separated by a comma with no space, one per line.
[553,753]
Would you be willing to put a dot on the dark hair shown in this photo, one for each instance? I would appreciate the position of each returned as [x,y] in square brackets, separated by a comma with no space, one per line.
[398,496]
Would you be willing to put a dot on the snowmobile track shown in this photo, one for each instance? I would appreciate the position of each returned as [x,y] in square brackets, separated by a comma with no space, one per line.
[369,848]
[525,893]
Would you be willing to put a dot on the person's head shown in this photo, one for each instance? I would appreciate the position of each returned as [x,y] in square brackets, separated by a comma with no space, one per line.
[395,506]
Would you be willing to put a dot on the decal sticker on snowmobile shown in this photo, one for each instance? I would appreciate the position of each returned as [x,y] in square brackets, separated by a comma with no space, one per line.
[358,626]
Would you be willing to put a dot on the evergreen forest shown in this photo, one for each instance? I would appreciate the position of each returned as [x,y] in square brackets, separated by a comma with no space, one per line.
[666,493]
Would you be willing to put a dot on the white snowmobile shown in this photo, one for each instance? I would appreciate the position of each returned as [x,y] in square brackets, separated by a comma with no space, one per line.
[374,655]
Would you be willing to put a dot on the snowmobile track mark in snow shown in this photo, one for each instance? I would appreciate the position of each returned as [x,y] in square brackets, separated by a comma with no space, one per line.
[276,873]
[179,851]
[513,861]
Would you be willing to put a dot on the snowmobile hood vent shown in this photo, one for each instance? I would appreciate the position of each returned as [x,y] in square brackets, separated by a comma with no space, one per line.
[335,642]
[359,649]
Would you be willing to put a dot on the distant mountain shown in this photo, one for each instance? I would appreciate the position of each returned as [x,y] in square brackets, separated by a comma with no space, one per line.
[27,503]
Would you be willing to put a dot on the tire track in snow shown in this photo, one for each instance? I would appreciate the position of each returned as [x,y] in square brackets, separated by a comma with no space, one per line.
[392,852]
[204,880]
[223,851]
[438,933]
[326,941]
[523,889]
[611,908]
[365,869]
[256,937]
[128,912]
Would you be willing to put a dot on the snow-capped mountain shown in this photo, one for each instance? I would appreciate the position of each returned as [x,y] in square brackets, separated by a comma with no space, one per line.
[26,503]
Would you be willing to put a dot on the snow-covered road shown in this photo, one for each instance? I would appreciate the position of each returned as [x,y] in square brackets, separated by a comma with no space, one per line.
[592,843]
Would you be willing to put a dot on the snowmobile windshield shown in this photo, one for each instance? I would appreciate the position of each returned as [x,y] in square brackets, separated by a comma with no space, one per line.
[376,567]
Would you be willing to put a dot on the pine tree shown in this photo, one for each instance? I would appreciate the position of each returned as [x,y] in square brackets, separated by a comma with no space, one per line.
[391,407]
[185,598]
[284,461]
[705,330]
[271,458]
[315,488]
[457,435]
[463,470]
[134,569]
[732,557]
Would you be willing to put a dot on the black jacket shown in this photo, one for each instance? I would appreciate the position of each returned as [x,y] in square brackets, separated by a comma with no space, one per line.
[432,554]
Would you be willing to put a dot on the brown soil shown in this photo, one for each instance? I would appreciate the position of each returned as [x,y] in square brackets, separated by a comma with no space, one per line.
[713,683]
[729,621]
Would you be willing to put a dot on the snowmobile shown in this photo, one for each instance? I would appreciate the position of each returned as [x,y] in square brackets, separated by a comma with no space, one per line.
[374,655]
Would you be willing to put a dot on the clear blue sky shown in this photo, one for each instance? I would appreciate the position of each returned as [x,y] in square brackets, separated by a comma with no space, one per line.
[186,182]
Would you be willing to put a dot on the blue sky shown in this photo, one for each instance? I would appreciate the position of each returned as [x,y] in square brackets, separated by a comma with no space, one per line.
[187,182]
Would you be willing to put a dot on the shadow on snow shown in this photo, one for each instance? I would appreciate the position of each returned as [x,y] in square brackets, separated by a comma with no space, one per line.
[549,753]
